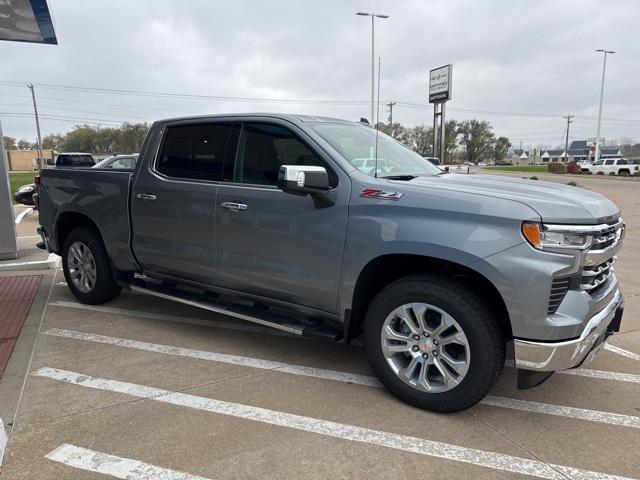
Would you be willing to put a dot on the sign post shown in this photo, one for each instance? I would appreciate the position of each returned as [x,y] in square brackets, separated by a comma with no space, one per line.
[439,94]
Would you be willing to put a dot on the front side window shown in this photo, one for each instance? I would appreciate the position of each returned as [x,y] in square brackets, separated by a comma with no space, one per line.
[264,148]
[360,147]
[194,152]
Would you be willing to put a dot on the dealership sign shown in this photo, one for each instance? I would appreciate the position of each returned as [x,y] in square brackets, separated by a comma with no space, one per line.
[440,84]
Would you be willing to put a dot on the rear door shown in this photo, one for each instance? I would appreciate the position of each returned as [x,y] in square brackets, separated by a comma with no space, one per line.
[275,244]
[173,205]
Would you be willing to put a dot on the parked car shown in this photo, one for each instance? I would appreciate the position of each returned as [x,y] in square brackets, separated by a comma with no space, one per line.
[434,160]
[118,161]
[74,160]
[609,166]
[24,194]
[271,218]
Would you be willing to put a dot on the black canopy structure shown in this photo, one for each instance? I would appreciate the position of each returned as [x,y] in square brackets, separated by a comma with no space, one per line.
[26,21]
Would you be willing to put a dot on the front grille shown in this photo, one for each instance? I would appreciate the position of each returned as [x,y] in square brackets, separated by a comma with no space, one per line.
[604,239]
[559,289]
[595,277]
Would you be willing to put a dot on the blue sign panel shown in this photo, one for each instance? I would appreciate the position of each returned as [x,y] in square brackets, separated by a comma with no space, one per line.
[26,21]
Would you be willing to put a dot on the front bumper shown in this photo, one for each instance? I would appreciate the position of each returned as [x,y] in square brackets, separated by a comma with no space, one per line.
[552,356]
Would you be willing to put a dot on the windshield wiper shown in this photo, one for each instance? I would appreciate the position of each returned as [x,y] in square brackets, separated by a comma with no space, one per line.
[401,177]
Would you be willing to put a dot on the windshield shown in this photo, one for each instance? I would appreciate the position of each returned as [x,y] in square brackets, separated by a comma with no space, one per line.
[357,144]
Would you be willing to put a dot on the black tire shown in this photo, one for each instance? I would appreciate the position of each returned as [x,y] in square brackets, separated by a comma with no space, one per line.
[105,288]
[484,335]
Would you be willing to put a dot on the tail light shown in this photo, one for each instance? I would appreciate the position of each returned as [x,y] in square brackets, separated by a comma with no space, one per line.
[446,168]
[36,195]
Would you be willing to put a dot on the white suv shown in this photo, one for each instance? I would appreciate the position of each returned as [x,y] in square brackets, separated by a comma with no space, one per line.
[610,166]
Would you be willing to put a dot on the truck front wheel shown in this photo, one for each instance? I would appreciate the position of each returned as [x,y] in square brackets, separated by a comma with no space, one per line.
[434,343]
[87,269]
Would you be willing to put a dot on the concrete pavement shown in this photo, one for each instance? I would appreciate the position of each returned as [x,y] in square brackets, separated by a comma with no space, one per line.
[143,388]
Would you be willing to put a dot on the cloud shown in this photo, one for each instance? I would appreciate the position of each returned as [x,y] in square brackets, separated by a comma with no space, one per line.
[509,56]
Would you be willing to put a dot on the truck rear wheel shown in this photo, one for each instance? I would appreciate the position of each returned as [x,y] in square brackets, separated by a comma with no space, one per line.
[434,343]
[87,269]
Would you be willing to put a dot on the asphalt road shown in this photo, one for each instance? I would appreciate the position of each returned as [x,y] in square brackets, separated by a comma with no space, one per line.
[142,388]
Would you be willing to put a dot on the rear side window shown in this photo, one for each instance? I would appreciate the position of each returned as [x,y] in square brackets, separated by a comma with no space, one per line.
[621,162]
[609,162]
[194,151]
[263,148]
[66,160]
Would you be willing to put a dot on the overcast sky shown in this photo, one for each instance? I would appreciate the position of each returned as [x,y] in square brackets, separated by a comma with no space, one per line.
[532,59]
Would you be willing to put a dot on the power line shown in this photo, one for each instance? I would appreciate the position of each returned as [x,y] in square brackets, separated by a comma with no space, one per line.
[112,91]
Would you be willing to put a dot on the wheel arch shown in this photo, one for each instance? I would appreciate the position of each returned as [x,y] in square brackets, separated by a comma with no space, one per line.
[68,221]
[384,269]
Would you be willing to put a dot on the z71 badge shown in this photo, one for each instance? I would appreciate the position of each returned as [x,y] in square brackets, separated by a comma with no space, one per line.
[380,194]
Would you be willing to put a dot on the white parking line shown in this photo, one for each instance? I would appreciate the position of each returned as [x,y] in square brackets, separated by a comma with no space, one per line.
[220,357]
[117,467]
[563,411]
[602,374]
[581,372]
[26,212]
[496,461]
[125,291]
[623,352]
[175,318]
[345,377]
[4,439]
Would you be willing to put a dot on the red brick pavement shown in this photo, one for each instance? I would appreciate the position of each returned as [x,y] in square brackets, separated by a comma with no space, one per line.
[16,295]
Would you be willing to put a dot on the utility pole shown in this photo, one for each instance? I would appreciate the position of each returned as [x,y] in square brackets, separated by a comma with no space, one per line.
[566,141]
[390,105]
[604,69]
[35,110]
[373,56]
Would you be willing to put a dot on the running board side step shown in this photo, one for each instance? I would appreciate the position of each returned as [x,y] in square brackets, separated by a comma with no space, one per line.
[303,327]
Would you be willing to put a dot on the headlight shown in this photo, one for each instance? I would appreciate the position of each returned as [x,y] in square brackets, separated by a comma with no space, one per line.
[544,238]
[25,189]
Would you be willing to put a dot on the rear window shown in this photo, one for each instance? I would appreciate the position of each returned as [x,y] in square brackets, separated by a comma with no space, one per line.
[66,160]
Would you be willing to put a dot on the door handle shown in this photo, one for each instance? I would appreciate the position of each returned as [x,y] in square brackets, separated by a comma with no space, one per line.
[146,196]
[234,206]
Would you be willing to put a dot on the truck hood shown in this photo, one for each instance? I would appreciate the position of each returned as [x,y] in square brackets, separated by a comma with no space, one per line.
[555,203]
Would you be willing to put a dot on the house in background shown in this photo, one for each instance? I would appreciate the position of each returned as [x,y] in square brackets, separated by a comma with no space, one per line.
[577,151]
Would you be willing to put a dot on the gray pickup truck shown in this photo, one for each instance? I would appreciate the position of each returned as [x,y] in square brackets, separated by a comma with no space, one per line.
[269,219]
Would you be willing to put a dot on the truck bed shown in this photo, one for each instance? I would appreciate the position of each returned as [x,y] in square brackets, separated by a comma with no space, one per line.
[102,196]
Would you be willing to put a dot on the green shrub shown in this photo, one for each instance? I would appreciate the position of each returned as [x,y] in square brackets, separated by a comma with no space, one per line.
[636,174]
[587,172]
[613,174]
[600,173]
[624,174]
[573,184]
[533,178]
[557,168]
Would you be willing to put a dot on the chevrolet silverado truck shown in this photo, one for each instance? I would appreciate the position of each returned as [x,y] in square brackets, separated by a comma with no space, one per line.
[286,221]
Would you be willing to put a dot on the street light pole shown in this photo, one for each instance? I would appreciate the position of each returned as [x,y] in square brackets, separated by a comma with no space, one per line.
[604,68]
[35,110]
[373,56]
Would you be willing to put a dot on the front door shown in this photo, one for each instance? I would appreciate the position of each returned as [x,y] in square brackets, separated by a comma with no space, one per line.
[274,244]
[173,205]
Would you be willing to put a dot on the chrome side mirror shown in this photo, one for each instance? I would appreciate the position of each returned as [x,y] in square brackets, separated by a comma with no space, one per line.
[303,180]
